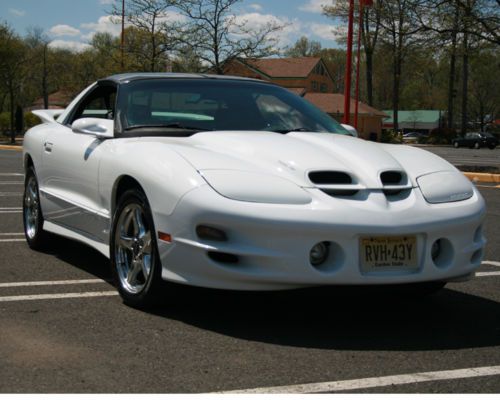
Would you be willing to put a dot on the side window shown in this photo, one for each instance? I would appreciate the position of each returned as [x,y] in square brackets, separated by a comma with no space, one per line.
[100,103]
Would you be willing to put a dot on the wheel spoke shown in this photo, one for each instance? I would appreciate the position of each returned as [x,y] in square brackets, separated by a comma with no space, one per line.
[146,239]
[138,223]
[134,270]
[126,242]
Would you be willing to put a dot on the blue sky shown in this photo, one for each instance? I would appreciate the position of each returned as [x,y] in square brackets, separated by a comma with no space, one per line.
[70,23]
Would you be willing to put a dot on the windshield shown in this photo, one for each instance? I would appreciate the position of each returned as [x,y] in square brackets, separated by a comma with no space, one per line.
[187,106]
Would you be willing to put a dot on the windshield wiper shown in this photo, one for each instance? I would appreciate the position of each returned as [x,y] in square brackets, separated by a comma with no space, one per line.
[173,125]
[291,130]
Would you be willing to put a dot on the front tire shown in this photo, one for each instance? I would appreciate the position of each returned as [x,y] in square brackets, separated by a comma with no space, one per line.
[32,212]
[134,254]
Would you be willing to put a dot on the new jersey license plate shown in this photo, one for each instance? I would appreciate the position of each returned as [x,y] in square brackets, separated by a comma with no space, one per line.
[388,253]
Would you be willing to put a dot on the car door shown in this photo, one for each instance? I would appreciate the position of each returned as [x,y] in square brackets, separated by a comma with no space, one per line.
[70,163]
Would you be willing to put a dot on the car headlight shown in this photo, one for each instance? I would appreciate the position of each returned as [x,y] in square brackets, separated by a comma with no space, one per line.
[445,187]
[255,187]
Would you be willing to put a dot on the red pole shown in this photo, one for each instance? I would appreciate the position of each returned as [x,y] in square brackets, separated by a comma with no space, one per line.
[347,89]
[360,30]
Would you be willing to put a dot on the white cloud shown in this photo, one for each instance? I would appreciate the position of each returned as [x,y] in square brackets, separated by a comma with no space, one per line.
[255,7]
[259,21]
[327,31]
[16,12]
[64,30]
[314,6]
[106,23]
[69,45]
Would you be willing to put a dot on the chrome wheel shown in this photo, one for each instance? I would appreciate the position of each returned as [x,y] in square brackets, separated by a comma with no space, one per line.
[31,207]
[133,248]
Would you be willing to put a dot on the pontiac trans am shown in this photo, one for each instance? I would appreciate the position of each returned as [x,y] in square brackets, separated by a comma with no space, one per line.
[235,183]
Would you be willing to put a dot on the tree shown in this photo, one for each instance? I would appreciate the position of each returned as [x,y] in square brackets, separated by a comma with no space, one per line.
[12,59]
[304,47]
[370,33]
[153,38]
[218,36]
[484,87]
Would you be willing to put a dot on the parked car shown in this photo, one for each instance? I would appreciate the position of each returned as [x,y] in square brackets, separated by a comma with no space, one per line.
[235,183]
[476,140]
[412,137]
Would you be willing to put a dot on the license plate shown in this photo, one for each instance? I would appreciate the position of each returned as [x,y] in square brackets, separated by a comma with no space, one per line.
[388,253]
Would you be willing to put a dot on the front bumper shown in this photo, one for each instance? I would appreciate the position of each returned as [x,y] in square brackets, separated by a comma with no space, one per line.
[272,242]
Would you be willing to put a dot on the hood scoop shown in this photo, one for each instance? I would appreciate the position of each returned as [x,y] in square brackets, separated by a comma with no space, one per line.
[341,183]
[335,183]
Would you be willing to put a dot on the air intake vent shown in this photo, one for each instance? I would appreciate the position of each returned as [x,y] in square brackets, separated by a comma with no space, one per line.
[334,183]
[390,178]
[394,182]
[330,178]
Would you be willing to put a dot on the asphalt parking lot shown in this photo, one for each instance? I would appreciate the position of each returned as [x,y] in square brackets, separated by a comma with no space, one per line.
[64,329]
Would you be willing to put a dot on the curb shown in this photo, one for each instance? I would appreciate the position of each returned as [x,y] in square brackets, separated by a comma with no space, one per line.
[482,177]
[11,147]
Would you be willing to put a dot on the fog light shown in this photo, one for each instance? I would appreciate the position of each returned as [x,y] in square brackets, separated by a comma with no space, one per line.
[319,253]
[211,233]
[436,250]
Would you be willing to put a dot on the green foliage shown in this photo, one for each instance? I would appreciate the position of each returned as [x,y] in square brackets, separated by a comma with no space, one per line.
[390,136]
[31,120]
[441,136]
[4,122]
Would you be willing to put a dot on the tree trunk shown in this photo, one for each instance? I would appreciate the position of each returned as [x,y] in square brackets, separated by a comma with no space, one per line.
[12,115]
[453,57]
[369,76]
[465,82]
[44,80]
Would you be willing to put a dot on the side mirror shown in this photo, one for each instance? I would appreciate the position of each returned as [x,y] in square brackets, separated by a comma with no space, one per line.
[352,131]
[100,128]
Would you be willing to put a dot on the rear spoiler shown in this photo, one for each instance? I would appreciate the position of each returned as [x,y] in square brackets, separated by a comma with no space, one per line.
[47,116]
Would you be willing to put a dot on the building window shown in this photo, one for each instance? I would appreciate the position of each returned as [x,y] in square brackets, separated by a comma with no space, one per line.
[314,85]
[323,88]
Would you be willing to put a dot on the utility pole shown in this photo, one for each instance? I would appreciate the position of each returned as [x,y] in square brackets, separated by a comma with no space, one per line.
[348,65]
[123,35]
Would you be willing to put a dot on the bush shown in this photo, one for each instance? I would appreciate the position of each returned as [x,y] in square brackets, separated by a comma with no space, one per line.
[390,136]
[30,120]
[441,136]
[4,123]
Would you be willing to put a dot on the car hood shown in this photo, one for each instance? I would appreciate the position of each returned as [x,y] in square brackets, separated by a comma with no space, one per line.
[292,156]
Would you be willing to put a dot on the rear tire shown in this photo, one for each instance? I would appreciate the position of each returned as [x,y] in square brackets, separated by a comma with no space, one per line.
[135,261]
[32,213]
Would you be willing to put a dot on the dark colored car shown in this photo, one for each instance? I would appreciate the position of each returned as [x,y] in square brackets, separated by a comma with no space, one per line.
[476,140]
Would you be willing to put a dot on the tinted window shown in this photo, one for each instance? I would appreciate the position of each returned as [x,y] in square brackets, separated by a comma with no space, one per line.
[100,103]
[214,104]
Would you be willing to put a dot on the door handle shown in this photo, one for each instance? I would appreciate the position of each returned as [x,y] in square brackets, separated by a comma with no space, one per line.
[48,147]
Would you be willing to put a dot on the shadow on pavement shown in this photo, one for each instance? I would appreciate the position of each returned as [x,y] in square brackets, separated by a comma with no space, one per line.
[343,318]
[340,318]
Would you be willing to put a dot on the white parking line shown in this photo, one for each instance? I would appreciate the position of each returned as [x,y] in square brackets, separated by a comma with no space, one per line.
[49,283]
[381,381]
[12,240]
[57,296]
[11,183]
[10,211]
[10,174]
[494,263]
[8,194]
[496,273]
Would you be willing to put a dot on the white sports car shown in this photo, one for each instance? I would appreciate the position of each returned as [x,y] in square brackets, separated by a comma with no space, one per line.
[239,184]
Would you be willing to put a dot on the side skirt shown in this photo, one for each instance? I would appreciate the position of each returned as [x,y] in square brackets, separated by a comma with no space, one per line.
[71,234]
